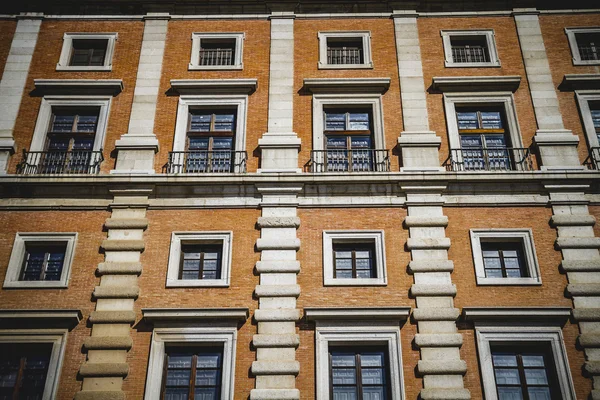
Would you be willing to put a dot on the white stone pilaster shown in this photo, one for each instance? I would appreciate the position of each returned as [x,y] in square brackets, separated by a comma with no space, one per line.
[581,263]
[137,147]
[437,338]
[419,145]
[280,145]
[557,145]
[276,367]
[14,78]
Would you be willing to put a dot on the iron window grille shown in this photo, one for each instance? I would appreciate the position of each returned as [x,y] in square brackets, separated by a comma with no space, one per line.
[469,49]
[359,373]
[88,52]
[201,261]
[217,52]
[23,370]
[193,373]
[345,51]
[588,45]
[354,261]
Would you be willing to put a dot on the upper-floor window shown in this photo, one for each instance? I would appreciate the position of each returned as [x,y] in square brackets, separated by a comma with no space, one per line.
[210,140]
[345,50]
[503,260]
[470,48]
[359,373]
[354,260]
[23,370]
[43,262]
[87,52]
[348,140]
[201,261]
[589,107]
[585,45]
[217,51]
[595,113]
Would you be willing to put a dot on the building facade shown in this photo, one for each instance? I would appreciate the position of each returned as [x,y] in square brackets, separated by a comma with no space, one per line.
[274,201]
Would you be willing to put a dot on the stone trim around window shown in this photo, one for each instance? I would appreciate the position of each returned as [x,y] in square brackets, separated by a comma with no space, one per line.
[524,236]
[179,238]
[583,100]
[361,334]
[520,335]
[364,36]
[490,40]
[504,100]
[375,237]
[576,57]
[56,337]
[197,38]
[67,48]
[213,333]
[15,264]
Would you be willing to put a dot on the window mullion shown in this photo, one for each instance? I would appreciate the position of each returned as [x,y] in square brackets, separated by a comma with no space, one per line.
[201,266]
[522,377]
[44,266]
[354,273]
[192,383]
[18,381]
[358,368]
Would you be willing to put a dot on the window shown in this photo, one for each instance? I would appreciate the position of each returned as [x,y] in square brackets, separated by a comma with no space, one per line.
[87,52]
[523,362]
[589,107]
[199,259]
[23,370]
[210,135]
[354,258]
[470,48]
[585,45]
[359,373]
[40,260]
[193,373]
[505,257]
[345,50]
[216,51]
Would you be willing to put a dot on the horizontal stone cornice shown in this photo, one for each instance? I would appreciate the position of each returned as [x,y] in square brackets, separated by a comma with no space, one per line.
[89,369]
[116,292]
[194,314]
[119,268]
[439,367]
[347,85]
[578,243]
[590,340]
[277,290]
[275,367]
[581,265]
[277,266]
[62,318]
[277,315]
[278,222]
[476,83]
[587,314]
[435,314]
[583,289]
[356,313]
[78,86]
[122,245]
[108,343]
[214,86]
[112,317]
[430,266]
[517,314]
[425,222]
[573,220]
[442,243]
[121,223]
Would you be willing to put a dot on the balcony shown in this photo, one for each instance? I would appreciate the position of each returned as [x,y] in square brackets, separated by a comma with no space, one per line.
[356,160]
[54,162]
[490,159]
[204,162]
[593,159]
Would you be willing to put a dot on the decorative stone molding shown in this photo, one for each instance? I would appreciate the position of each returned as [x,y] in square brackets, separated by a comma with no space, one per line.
[277,244]
[445,394]
[438,340]
[476,83]
[435,314]
[580,82]
[112,317]
[116,292]
[580,265]
[583,289]
[103,369]
[119,268]
[98,87]
[268,341]
[425,222]
[578,243]
[416,266]
[586,314]
[278,222]
[108,343]
[277,266]
[62,318]
[275,368]
[517,314]
[427,289]
[214,86]
[275,394]
[442,367]
[356,313]
[589,340]
[573,220]
[123,245]
[346,85]
[132,223]
[274,315]
[277,291]
[428,243]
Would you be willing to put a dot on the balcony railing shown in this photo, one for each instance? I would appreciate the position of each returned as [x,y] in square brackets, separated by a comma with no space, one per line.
[357,160]
[216,56]
[490,159]
[469,54]
[204,161]
[344,56]
[593,159]
[50,162]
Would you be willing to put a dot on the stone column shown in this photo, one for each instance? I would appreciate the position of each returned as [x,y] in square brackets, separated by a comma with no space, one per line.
[581,263]
[137,147]
[438,338]
[280,145]
[107,347]
[557,145]
[276,367]
[419,144]
[14,79]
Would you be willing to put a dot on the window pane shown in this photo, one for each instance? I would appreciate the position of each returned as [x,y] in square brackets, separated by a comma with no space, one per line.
[207,377]
[209,275]
[372,376]
[180,361]
[335,122]
[514,273]
[343,264]
[198,143]
[536,376]
[507,376]
[361,142]
[539,394]
[87,123]
[200,122]
[596,118]
[467,120]
[205,394]
[493,273]
[371,360]
[364,274]
[191,265]
[509,393]
[210,265]
[224,122]
[209,360]
[533,360]
[359,122]
[223,143]
[176,393]
[491,120]
[373,393]
[363,254]
[470,141]
[344,393]
[343,274]
[63,123]
[178,377]
[492,263]
[363,263]
[343,360]
[504,360]
[344,376]
[495,141]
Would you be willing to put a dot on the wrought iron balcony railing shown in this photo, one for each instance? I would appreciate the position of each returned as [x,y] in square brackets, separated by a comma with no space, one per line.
[356,160]
[204,161]
[50,162]
[593,159]
[490,159]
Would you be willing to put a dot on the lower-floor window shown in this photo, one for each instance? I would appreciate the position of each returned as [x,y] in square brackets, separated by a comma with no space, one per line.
[359,373]
[23,370]
[193,373]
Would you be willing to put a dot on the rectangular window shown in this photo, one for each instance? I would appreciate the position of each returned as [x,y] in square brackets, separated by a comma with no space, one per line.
[595,113]
[588,45]
[469,49]
[88,52]
[354,260]
[201,261]
[43,262]
[210,141]
[193,373]
[23,370]
[85,51]
[217,51]
[348,140]
[359,373]
[345,50]
[503,260]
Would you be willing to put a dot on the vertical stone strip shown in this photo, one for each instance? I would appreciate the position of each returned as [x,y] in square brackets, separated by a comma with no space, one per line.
[581,263]
[557,145]
[280,145]
[14,79]
[419,145]
[107,347]
[435,314]
[276,367]
[137,147]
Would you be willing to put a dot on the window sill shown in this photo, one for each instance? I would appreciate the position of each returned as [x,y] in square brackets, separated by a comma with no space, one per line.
[586,62]
[509,282]
[345,66]
[35,285]
[104,68]
[472,65]
[355,282]
[180,283]
[238,67]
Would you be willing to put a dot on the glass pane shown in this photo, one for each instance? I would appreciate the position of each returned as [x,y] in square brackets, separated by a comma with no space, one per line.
[491,120]
[178,377]
[209,275]
[493,273]
[210,265]
[495,141]
[187,275]
[211,255]
[492,263]
[511,262]
[343,254]
[596,118]
[509,393]
[200,122]
[467,120]
[197,143]
[343,264]
[491,253]
[364,273]
[344,393]
[343,274]
[224,122]
[373,393]
[180,361]
[344,376]
[87,123]
[176,393]
[205,394]
[507,376]
[504,360]
[371,360]
[191,265]
[470,141]
[223,143]
[363,254]
[343,360]
[359,122]
[514,273]
[207,377]
[336,142]
[372,376]
[363,263]
[533,360]
[209,361]
[361,142]
[335,122]
[536,376]
[539,393]
[63,123]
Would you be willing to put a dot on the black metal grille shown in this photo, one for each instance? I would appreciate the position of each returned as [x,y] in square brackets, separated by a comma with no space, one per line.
[354,160]
[490,159]
[469,54]
[204,161]
[219,56]
[344,55]
[593,159]
[60,162]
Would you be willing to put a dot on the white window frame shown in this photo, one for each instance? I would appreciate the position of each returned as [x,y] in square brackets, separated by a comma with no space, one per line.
[321,101]
[177,238]
[196,44]
[67,49]
[45,116]
[502,99]
[182,336]
[489,334]
[525,236]
[490,39]
[365,36]
[571,32]
[583,99]
[187,101]
[360,334]
[17,257]
[372,236]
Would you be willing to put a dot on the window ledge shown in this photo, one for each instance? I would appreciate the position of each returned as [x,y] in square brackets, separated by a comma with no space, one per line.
[355,282]
[516,314]
[476,83]
[345,66]
[99,68]
[78,86]
[35,285]
[183,283]
[451,64]
[508,282]
[192,67]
